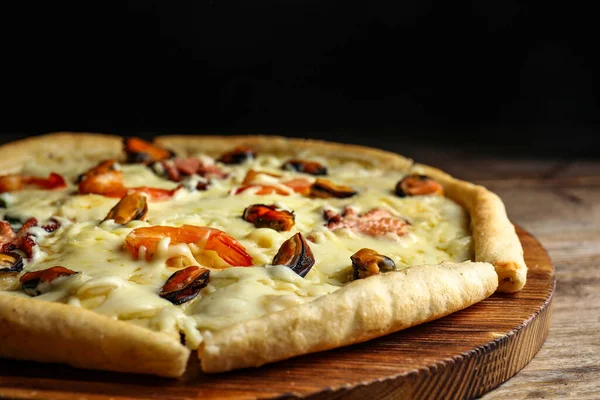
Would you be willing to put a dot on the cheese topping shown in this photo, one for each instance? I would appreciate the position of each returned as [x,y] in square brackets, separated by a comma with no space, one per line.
[111,281]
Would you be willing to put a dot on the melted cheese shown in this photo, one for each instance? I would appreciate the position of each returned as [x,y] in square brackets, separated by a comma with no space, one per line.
[110,281]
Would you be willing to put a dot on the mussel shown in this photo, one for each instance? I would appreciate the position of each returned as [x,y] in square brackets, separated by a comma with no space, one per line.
[307,167]
[38,282]
[296,254]
[184,285]
[324,188]
[238,155]
[263,216]
[140,151]
[10,262]
[367,262]
[418,185]
[131,207]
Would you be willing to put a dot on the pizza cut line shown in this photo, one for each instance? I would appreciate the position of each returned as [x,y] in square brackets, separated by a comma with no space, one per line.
[128,255]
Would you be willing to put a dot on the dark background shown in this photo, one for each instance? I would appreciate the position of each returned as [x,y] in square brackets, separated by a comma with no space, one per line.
[512,77]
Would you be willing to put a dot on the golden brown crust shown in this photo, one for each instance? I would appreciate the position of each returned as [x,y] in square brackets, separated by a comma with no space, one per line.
[52,332]
[15,154]
[214,145]
[494,237]
[363,310]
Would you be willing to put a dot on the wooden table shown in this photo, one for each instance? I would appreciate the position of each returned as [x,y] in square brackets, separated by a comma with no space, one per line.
[558,201]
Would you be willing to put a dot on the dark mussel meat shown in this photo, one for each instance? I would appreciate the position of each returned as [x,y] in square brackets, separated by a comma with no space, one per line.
[263,216]
[184,285]
[307,167]
[10,262]
[237,155]
[296,254]
[141,151]
[367,262]
[131,207]
[418,185]
[37,282]
[324,188]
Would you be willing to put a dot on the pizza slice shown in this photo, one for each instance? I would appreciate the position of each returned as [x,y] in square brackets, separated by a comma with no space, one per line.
[128,255]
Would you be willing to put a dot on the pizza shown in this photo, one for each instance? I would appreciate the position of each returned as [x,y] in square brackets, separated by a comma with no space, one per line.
[125,255]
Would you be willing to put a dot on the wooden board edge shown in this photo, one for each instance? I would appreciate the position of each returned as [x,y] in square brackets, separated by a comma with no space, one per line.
[467,379]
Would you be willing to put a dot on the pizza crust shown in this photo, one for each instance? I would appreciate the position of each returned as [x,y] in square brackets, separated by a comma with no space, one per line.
[95,146]
[52,332]
[216,145]
[494,236]
[362,310]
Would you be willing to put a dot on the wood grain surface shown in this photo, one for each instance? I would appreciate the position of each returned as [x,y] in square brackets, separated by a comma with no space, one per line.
[557,200]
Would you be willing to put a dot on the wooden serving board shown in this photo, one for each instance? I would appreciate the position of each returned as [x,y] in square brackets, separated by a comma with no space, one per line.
[460,356]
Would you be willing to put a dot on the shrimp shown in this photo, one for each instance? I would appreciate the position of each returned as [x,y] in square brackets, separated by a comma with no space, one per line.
[155,193]
[229,249]
[298,185]
[106,179]
[13,183]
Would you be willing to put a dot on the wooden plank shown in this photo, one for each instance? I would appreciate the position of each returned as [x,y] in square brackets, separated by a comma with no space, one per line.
[566,222]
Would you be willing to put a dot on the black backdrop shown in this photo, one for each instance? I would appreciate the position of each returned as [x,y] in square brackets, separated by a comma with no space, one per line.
[517,76]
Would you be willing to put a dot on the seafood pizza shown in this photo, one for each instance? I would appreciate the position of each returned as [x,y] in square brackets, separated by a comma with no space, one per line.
[125,255]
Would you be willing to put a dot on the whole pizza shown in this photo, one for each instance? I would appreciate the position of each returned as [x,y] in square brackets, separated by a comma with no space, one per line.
[124,255]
